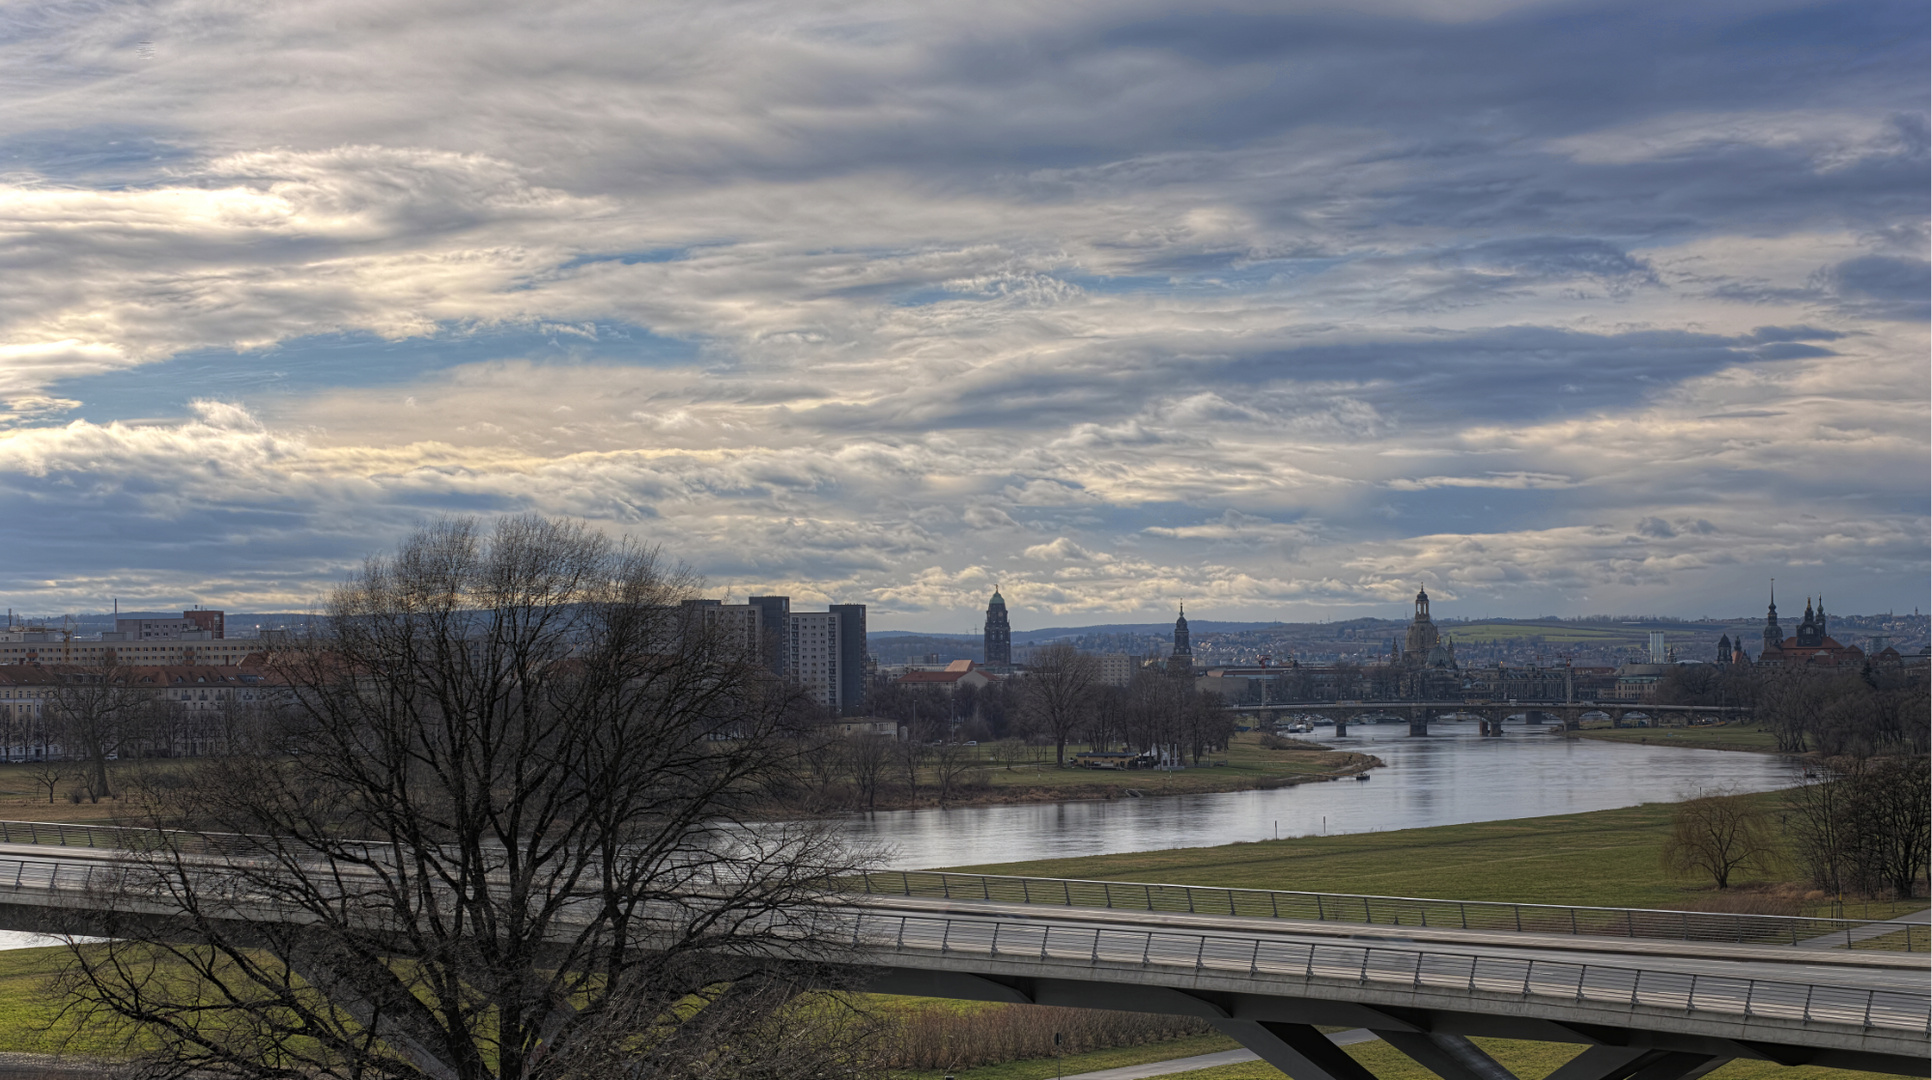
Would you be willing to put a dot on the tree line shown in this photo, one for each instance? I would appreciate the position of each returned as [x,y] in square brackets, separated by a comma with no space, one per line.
[1861,822]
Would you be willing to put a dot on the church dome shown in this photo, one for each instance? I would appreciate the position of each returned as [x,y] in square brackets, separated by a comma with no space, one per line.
[997,600]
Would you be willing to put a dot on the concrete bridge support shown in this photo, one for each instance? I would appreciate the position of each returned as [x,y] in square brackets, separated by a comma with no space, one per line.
[1451,1057]
[1298,1050]
[1341,724]
[1418,723]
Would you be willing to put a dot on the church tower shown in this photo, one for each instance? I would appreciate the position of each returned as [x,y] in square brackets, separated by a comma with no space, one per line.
[1181,660]
[998,637]
[1422,635]
[1773,637]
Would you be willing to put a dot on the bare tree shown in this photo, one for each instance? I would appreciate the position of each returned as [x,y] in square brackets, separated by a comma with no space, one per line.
[93,710]
[1890,808]
[952,760]
[1058,690]
[1819,821]
[48,773]
[499,833]
[867,759]
[1718,834]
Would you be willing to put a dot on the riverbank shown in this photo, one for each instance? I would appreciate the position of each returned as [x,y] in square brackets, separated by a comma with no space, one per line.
[1608,858]
[1243,767]
[1747,737]
[1246,765]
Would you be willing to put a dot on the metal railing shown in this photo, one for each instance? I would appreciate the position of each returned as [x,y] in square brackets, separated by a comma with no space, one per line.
[1275,958]
[1624,987]
[1360,909]
[1400,911]
[119,837]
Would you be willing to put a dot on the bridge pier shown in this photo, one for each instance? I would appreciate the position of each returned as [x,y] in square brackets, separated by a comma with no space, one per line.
[1451,1057]
[1341,724]
[1418,724]
[1298,1050]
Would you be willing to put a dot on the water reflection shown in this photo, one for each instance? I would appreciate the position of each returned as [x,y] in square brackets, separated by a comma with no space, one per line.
[1452,777]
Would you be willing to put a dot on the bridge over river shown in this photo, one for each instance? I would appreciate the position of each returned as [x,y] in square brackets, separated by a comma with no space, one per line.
[1650,995]
[1492,714]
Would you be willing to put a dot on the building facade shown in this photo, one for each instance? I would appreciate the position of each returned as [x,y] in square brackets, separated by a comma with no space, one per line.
[826,656]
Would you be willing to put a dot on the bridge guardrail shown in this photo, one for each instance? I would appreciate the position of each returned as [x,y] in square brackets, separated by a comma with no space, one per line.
[115,837]
[1368,910]
[1260,956]
[1416,969]
[1361,909]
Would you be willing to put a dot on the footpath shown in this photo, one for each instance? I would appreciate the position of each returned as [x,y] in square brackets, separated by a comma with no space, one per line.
[1206,1061]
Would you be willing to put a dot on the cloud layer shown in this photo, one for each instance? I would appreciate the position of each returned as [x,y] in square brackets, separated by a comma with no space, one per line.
[1555,307]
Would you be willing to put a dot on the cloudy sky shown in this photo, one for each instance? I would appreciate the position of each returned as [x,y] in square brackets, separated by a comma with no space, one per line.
[1276,309]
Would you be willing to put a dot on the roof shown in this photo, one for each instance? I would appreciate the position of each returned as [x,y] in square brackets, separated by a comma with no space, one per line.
[932,676]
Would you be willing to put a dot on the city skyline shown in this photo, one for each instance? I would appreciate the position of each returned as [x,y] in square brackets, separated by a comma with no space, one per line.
[1548,307]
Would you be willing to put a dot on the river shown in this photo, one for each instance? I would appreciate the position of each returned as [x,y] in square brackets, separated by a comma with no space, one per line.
[1451,777]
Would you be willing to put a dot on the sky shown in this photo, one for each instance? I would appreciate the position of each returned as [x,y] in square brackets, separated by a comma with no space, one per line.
[1278,310]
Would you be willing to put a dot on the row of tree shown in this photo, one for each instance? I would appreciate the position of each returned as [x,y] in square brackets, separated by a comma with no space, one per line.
[1873,709]
[1059,701]
[1856,827]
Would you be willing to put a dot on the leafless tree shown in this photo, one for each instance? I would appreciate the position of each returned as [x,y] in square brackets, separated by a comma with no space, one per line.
[1865,826]
[911,753]
[93,712]
[1889,804]
[48,773]
[952,761]
[1819,821]
[867,760]
[500,832]
[1718,834]
[1057,692]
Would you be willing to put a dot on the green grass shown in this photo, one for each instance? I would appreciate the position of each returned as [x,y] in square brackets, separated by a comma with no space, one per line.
[1528,1060]
[1709,737]
[1071,1064]
[1244,765]
[1607,858]
[28,1014]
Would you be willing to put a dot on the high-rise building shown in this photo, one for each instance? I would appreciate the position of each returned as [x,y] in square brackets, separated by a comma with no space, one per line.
[775,623]
[733,626]
[998,634]
[851,673]
[827,656]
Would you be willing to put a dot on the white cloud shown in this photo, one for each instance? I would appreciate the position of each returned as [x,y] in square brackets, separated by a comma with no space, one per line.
[885,301]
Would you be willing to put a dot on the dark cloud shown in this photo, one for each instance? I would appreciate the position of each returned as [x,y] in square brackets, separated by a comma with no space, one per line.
[1881,285]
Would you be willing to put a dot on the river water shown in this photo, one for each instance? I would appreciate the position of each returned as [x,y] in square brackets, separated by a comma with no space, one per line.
[1451,777]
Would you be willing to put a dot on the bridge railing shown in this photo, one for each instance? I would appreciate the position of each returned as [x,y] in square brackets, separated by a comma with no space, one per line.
[1112,948]
[118,837]
[1401,910]
[1632,987]
[1360,909]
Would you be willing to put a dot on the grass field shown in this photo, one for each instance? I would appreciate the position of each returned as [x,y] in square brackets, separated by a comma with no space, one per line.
[1243,766]
[1528,1060]
[1071,1064]
[1713,737]
[1607,857]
